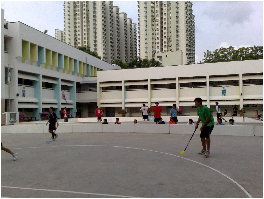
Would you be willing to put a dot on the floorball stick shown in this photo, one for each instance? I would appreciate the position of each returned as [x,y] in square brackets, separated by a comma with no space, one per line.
[182,152]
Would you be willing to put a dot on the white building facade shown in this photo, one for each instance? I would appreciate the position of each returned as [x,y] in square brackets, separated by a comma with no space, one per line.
[166,26]
[229,83]
[38,72]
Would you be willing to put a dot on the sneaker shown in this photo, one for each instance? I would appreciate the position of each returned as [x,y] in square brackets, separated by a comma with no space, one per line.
[207,153]
[14,156]
[202,152]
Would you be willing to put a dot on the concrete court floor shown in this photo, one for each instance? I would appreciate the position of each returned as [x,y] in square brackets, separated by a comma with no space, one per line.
[130,165]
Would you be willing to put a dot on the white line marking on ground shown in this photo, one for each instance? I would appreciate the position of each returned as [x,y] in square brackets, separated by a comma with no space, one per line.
[61,191]
[85,145]
[223,175]
[232,180]
[242,188]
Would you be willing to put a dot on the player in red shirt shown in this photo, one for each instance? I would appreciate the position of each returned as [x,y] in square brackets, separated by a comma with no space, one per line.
[99,114]
[157,113]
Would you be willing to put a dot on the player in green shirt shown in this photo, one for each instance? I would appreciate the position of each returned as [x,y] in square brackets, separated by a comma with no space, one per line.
[207,119]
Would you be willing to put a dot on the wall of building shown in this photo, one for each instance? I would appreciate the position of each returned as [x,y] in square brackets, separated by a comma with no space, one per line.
[242,82]
[170,58]
[44,71]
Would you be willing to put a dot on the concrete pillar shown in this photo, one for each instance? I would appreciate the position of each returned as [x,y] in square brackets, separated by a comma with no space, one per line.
[177,92]
[57,96]
[123,94]
[13,89]
[208,90]
[99,94]
[149,93]
[38,94]
[73,98]
[241,90]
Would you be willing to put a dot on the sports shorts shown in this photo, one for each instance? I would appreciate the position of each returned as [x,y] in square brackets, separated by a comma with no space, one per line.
[99,118]
[145,117]
[175,119]
[206,132]
[219,115]
[52,126]
[157,119]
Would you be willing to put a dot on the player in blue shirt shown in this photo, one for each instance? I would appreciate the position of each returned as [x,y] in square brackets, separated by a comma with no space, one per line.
[173,113]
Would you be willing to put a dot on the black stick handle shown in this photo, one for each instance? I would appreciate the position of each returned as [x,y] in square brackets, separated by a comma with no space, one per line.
[190,140]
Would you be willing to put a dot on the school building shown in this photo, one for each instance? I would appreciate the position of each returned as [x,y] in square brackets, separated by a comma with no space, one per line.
[229,83]
[39,71]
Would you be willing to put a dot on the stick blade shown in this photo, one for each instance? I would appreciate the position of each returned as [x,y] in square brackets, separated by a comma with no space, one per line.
[182,152]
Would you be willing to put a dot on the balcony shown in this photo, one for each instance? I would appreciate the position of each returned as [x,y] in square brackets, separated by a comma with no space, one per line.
[86,96]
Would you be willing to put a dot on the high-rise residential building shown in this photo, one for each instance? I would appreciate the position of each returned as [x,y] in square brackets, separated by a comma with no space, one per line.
[166,26]
[60,35]
[116,33]
[97,25]
[132,40]
[123,37]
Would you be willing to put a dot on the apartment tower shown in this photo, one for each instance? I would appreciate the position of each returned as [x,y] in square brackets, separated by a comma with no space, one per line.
[97,25]
[166,26]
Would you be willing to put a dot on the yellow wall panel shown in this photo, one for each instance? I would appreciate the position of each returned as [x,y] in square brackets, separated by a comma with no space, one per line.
[71,66]
[95,71]
[33,53]
[54,60]
[84,69]
[92,71]
[25,51]
[80,67]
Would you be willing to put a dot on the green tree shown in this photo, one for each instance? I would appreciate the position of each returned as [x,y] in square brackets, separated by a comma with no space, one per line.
[230,54]
[138,63]
[87,50]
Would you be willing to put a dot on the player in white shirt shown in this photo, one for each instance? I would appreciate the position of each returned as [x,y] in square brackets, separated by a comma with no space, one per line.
[218,112]
[144,110]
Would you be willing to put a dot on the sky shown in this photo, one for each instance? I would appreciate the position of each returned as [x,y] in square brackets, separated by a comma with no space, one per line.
[217,23]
